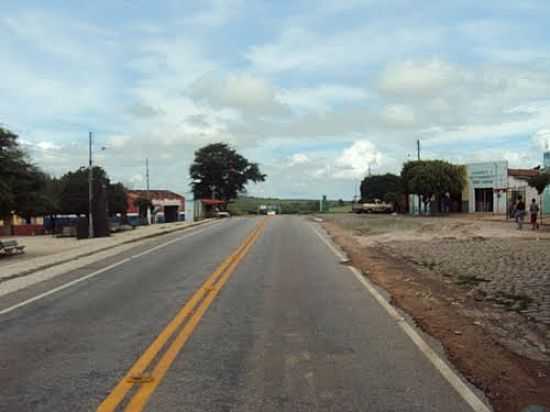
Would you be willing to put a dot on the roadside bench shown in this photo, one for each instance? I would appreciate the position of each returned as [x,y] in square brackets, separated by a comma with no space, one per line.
[10,247]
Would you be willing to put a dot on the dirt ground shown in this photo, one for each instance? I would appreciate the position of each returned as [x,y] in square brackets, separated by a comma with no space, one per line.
[499,346]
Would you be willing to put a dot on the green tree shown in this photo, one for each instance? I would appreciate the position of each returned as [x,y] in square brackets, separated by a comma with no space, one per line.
[74,195]
[539,182]
[117,198]
[432,178]
[219,171]
[20,181]
[377,186]
[393,198]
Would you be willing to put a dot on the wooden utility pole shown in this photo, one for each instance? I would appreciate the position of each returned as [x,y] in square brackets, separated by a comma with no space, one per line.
[147,190]
[90,189]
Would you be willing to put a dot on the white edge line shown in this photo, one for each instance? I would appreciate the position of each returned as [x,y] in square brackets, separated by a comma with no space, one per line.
[454,380]
[97,272]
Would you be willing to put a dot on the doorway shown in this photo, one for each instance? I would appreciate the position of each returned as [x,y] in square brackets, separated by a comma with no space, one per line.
[484,200]
[170,214]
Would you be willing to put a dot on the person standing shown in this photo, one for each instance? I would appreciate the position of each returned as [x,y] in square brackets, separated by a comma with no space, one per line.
[519,212]
[534,213]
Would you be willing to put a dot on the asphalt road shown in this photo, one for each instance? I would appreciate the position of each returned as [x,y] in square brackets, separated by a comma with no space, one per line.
[291,330]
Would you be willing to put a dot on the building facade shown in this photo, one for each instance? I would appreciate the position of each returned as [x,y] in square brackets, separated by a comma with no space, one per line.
[168,206]
[486,187]
[493,187]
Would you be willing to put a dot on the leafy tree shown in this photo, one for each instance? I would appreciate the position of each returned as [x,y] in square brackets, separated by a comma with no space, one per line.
[432,178]
[376,186]
[32,198]
[74,195]
[539,182]
[20,181]
[393,198]
[219,171]
[117,199]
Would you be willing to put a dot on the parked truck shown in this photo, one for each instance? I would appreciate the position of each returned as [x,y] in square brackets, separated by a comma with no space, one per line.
[375,206]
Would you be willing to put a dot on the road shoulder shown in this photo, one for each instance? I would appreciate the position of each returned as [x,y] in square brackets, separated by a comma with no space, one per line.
[508,380]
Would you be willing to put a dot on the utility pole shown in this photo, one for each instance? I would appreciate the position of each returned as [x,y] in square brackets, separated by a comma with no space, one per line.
[90,190]
[147,190]
[418,153]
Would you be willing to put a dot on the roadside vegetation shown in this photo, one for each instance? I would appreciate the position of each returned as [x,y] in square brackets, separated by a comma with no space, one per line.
[219,172]
[28,191]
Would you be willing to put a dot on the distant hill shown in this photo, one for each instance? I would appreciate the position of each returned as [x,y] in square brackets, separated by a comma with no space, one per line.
[250,205]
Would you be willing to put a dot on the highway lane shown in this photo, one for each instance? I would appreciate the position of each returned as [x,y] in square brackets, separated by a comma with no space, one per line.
[65,352]
[292,329]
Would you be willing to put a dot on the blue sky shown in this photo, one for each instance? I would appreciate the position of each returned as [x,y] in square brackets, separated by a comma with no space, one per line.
[315,91]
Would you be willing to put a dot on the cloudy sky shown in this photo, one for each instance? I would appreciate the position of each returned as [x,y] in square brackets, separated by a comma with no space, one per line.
[315,91]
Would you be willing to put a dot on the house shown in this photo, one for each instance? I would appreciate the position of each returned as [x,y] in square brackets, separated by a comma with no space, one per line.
[203,208]
[168,206]
[493,187]
[490,187]
[22,227]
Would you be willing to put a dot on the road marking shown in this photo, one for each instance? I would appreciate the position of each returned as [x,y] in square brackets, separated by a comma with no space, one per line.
[98,272]
[188,317]
[445,370]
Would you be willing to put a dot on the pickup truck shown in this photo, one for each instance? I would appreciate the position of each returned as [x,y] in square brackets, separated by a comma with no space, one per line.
[376,206]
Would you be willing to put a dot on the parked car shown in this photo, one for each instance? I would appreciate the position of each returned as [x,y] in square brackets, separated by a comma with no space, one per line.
[376,206]
[222,214]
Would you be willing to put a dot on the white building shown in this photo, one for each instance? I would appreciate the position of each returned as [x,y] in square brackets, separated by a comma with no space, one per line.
[490,187]
[493,187]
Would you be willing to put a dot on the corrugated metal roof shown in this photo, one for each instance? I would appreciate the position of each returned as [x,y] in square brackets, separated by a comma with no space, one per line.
[523,172]
[156,194]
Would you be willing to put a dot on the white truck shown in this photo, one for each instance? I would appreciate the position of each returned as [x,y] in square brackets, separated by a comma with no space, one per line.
[375,206]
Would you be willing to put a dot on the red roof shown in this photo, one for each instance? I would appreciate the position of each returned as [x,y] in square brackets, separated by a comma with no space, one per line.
[211,202]
[156,194]
[523,172]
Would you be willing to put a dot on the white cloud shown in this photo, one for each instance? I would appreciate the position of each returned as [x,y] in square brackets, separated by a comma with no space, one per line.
[354,161]
[420,78]
[241,91]
[215,13]
[119,141]
[48,146]
[542,139]
[399,115]
[298,158]
[321,98]
[302,50]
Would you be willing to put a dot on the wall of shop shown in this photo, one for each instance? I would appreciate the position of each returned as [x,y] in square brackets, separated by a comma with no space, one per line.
[486,186]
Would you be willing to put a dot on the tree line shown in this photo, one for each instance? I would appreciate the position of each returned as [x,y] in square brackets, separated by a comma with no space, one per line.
[28,191]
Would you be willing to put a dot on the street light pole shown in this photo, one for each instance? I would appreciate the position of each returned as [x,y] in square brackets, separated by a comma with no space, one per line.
[90,191]
[147,192]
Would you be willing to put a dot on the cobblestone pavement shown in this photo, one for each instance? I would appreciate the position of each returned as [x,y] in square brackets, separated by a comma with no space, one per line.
[514,273]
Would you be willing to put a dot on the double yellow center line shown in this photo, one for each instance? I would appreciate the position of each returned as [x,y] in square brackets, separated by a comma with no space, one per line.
[147,377]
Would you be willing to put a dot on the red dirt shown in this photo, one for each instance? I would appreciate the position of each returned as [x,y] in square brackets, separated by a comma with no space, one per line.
[509,381]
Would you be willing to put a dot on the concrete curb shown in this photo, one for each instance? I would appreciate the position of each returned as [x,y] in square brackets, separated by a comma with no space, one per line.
[93,252]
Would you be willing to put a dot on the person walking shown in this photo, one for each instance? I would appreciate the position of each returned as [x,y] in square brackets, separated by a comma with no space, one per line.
[519,212]
[533,214]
